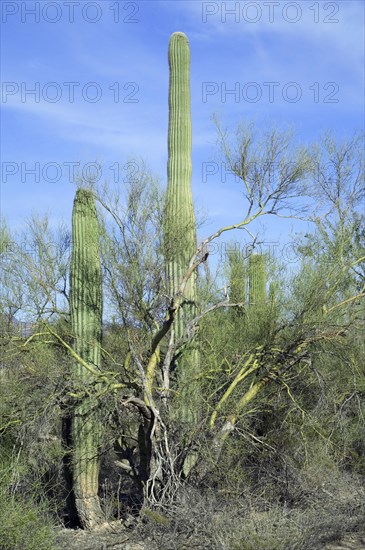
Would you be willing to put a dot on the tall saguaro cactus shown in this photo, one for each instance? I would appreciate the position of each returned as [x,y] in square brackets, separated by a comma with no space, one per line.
[86,322]
[237,280]
[257,280]
[180,225]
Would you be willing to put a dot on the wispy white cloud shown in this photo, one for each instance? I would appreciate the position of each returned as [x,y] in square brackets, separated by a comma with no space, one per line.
[335,30]
[305,52]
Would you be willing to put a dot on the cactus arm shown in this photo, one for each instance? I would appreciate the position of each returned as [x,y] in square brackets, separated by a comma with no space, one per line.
[237,278]
[257,280]
[180,226]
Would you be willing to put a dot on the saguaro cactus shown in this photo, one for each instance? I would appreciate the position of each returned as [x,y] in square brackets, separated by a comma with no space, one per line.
[86,323]
[237,280]
[180,225]
[257,280]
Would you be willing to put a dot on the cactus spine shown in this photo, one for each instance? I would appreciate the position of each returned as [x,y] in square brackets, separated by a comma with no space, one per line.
[257,281]
[180,225]
[86,323]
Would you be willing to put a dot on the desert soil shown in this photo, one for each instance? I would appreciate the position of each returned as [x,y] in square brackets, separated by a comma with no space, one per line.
[128,540]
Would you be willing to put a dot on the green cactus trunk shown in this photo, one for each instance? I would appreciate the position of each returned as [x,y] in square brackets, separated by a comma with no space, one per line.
[273,309]
[86,323]
[180,225]
[273,289]
[237,281]
[257,281]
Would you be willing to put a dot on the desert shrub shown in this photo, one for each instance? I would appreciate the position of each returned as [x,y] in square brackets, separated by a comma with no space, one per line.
[216,521]
[31,453]
[24,525]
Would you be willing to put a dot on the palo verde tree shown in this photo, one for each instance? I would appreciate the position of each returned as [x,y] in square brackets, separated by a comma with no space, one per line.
[324,302]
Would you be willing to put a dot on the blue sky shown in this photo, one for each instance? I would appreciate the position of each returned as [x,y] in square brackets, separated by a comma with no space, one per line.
[114,109]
